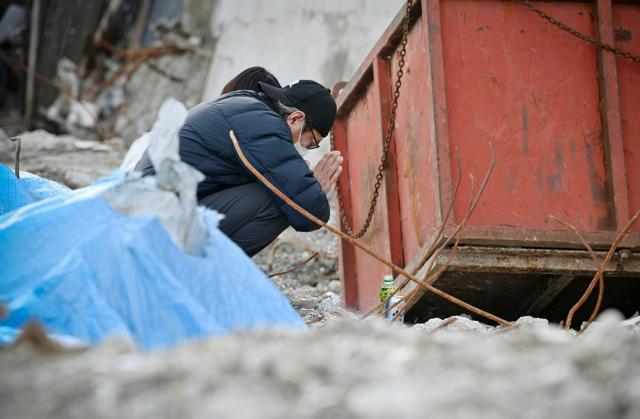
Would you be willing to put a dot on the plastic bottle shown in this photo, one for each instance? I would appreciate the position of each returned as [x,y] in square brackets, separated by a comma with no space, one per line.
[385,292]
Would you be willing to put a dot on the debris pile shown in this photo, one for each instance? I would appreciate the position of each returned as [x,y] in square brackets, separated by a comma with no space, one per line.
[314,287]
[65,159]
[101,69]
[347,369]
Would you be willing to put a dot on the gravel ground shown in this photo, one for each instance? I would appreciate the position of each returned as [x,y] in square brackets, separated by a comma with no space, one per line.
[313,288]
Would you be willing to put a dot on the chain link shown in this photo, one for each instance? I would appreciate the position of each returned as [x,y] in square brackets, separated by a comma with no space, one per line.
[346,226]
[580,35]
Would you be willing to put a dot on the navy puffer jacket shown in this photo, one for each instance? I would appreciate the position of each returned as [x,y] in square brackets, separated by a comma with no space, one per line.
[265,140]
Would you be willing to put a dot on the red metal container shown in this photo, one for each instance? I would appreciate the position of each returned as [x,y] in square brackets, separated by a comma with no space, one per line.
[562,115]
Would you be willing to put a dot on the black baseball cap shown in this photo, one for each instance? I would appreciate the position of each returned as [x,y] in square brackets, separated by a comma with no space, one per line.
[310,97]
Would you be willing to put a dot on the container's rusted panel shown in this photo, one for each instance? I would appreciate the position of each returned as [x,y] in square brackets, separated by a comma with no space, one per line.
[347,251]
[416,159]
[626,19]
[382,80]
[610,111]
[562,115]
[531,90]
[364,147]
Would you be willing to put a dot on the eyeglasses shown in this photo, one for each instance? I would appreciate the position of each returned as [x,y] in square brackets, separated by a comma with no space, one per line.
[316,143]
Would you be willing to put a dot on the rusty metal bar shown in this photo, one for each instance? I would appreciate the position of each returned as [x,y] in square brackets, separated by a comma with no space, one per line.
[347,254]
[440,128]
[515,236]
[507,259]
[382,79]
[555,288]
[611,118]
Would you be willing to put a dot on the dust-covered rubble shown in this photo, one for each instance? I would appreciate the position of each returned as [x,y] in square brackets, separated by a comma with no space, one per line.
[66,159]
[313,288]
[347,369]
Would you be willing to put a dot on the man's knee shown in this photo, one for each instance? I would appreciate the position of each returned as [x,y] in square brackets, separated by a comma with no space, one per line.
[252,218]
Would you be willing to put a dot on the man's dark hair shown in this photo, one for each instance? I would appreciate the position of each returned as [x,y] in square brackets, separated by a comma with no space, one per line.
[283,110]
[249,79]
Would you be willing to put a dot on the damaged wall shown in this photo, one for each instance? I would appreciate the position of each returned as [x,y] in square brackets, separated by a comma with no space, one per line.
[324,41]
[98,53]
[178,75]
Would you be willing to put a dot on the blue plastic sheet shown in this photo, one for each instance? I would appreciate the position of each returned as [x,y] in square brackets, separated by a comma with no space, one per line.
[30,188]
[86,271]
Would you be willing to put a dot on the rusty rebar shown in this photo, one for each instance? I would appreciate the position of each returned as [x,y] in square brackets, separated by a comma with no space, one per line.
[596,308]
[602,267]
[475,198]
[160,71]
[19,65]
[363,247]
[134,59]
[430,276]
[296,266]
[434,245]
[444,324]
[144,53]
[280,243]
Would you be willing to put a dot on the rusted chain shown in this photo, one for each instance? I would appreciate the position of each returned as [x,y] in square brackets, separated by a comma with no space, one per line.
[602,267]
[356,243]
[296,266]
[580,35]
[387,140]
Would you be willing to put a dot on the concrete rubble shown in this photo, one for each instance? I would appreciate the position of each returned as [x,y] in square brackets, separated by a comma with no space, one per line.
[314,288]
[346,369]
[66,159]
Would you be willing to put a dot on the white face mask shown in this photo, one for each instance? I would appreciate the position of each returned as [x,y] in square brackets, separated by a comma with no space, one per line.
[299,148]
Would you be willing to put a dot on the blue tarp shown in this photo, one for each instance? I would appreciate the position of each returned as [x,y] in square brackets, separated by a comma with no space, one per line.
[86,271]
[29,189]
